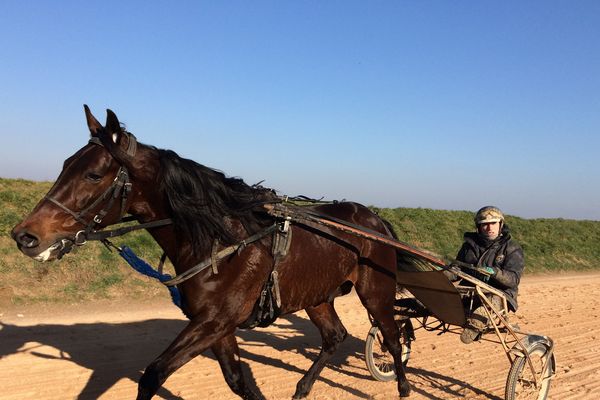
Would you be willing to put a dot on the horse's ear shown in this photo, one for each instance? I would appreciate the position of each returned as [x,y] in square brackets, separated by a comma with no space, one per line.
[92,122]
[113,126]
[120,144]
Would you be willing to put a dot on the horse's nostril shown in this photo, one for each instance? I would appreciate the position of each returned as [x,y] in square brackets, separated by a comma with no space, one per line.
[27,240]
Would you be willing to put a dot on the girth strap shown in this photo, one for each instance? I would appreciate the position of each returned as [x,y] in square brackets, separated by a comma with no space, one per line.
[281,245]
[268,306]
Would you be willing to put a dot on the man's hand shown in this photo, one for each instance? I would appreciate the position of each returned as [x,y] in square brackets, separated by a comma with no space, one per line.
[489,271]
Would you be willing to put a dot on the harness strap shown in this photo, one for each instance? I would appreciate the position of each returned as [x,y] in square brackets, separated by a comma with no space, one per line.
[132,145]
[219,256]
[95,140]
[161,263]
[268,306]
[62,207]
[312,218]
[102,235]
[118,184]
[276,292]
[281,245]
[213,257]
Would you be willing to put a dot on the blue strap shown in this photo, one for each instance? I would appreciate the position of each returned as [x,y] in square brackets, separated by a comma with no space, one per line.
[143,268]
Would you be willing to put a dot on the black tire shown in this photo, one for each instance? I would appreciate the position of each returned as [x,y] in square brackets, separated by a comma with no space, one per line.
[519,384]
[380,362]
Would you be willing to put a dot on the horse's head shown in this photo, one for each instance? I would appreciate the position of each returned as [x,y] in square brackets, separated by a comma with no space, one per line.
[90,192]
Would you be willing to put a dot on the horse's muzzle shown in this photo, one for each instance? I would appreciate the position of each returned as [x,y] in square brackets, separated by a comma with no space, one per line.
[25,239]
[30,245]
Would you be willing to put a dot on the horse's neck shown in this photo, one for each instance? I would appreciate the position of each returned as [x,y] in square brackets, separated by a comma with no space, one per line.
[179,250]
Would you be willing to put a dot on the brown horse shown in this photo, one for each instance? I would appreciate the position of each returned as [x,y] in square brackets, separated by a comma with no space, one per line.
[113,175]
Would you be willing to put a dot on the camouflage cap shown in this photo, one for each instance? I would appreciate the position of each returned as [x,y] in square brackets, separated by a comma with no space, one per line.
[488,214]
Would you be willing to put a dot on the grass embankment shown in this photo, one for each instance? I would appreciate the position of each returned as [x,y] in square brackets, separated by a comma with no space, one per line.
[92,272]
[549,244]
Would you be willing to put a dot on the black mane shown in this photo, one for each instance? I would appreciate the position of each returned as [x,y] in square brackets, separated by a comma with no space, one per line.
[200,198]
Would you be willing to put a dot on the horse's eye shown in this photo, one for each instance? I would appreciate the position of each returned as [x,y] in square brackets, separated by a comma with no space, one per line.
[93,177]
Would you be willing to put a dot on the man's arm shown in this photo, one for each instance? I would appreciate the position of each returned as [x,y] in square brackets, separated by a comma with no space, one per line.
[463,255]
[509,276]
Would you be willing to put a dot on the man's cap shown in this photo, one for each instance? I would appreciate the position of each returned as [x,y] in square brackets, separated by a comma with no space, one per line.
[488,214]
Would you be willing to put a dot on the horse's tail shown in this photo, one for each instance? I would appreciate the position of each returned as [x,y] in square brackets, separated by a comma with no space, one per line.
[405,260]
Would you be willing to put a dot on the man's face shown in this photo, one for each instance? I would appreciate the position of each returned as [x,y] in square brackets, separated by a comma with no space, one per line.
[489,230]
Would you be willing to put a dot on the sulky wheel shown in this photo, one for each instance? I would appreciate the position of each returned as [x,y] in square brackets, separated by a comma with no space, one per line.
[380,362]
[520,384]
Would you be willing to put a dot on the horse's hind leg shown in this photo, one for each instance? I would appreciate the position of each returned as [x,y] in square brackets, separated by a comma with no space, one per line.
[333,333]
[378,298]
[228,354]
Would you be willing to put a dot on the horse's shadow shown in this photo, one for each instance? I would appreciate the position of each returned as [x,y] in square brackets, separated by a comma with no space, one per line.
[99,347]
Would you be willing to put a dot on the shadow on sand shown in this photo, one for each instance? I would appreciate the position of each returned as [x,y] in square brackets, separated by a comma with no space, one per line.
[101,348]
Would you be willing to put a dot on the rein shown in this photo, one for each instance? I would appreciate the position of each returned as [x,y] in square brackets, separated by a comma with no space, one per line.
[315,219]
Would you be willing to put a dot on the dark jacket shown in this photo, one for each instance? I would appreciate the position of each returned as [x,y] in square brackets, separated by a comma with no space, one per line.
[503,254]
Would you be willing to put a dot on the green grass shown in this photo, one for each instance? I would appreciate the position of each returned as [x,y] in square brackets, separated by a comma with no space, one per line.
[92,271]
[103,284]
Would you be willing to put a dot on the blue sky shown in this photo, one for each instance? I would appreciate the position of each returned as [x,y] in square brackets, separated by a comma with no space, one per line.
[446,105]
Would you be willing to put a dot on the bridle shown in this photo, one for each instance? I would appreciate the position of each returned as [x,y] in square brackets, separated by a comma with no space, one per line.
[119,188]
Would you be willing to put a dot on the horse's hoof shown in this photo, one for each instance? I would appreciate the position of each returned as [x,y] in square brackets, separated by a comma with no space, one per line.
[405,389]
[299,395]
[302,390]
[250,396]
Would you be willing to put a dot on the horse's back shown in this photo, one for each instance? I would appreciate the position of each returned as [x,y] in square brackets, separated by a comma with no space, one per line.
[355,213]
[322,260]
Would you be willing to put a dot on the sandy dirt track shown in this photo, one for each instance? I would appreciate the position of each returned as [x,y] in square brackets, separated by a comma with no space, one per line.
[98,351]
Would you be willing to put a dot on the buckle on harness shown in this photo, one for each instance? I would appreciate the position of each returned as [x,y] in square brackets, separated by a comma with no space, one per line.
[80,238]
[285,227]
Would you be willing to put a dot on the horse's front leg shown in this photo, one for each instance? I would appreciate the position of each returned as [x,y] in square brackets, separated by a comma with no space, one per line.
[228,354]
[196,337]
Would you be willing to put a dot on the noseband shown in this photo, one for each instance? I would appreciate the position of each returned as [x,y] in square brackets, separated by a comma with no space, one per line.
[120,187]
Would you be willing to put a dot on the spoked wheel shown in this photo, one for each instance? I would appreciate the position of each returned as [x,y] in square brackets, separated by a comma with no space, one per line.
[520,384]
[380,362]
